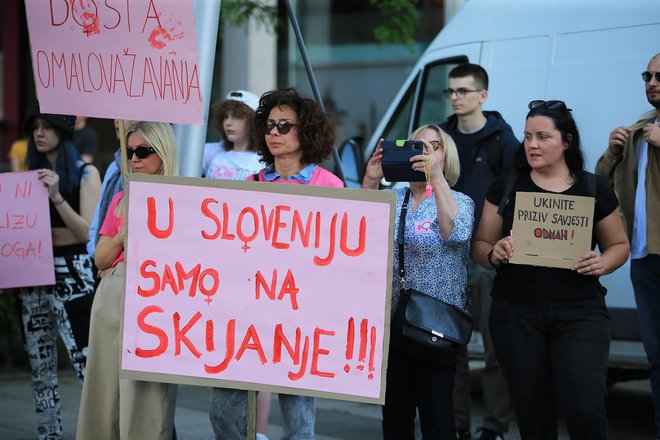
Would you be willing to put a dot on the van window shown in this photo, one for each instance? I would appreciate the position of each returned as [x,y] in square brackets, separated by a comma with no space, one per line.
[398,127]
[434,108]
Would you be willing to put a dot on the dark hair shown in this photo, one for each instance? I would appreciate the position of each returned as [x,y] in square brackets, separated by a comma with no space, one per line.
[315,129]
[66,165]
[563,121]
[238,110]
[474,70]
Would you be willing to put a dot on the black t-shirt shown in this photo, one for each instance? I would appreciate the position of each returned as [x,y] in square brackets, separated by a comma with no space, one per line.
[521,281]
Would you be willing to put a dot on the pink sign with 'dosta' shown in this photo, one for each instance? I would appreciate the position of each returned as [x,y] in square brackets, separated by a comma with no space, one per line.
[26,251]
[278,289]
[132,59]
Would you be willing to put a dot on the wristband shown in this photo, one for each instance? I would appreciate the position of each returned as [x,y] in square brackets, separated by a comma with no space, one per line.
[59,202]
[490,260]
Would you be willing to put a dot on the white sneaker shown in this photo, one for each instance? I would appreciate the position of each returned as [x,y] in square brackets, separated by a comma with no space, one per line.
[261,436]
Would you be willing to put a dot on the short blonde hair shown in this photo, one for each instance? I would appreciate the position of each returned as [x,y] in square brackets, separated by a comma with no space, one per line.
[452,163]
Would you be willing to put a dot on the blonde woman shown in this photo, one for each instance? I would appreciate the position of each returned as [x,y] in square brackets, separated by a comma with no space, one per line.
[438,227]
[113,408]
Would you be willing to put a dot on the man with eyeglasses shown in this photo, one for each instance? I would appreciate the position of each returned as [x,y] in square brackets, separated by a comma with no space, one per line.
[632,164]
[486,146]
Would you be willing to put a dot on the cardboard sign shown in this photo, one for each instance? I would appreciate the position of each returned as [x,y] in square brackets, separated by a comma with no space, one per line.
[551,230]
[132,59]
[26,249]
[259,286]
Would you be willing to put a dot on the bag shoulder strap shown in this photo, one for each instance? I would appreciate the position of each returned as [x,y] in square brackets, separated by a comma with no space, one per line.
[509,182]
[402,231]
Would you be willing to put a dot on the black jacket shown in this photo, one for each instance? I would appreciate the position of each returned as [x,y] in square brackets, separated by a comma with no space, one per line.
[484,156]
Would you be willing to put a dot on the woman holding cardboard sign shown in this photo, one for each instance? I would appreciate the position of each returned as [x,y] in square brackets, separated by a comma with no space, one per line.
[436,225]
[549,324]
[73,189]
[110,407]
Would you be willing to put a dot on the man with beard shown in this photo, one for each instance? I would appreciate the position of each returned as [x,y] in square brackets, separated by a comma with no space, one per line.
[632,164]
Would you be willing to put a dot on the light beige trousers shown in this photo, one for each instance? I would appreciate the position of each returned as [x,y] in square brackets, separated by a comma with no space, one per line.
[113,408]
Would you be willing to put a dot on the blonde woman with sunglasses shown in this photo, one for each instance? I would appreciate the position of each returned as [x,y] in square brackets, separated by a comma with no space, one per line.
[110,407]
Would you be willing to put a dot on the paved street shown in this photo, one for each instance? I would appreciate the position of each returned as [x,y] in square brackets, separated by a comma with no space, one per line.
[629,408]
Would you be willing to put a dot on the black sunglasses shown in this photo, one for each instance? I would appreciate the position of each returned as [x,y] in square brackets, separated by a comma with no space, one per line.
[142,152]
[550,105]
[646,76]
[283,126]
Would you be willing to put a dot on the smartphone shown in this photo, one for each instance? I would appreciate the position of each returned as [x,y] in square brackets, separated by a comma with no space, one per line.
[396,161]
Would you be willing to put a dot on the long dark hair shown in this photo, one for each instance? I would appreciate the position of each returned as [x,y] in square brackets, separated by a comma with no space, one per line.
[565,124]
[66,165]
[315,128]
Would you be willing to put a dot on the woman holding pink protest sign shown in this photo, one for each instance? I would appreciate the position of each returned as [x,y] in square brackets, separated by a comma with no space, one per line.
[296,135]
[73,189]
[433,225]
[110,407]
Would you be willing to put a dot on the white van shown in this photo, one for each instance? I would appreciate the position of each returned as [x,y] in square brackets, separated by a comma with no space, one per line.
[588,53]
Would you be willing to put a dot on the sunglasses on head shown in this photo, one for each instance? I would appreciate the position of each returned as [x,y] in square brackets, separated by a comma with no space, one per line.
[550,105]
[646,76]
[283,126]
[142,152]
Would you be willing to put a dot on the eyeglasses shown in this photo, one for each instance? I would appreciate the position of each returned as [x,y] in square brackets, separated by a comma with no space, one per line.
[283,126]
[142,152]
[550,105]
[459,92]
[436,145]
[646,76]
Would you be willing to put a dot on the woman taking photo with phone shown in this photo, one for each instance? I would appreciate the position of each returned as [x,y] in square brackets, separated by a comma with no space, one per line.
[550,326]
[110,407]
[73,189]
[438,226]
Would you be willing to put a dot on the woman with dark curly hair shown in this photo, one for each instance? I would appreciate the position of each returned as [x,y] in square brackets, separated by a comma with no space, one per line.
[296,135]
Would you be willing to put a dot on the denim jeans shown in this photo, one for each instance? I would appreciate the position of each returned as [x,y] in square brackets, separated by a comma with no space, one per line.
[554,357]
[645,276]
[228,414]
[412,386]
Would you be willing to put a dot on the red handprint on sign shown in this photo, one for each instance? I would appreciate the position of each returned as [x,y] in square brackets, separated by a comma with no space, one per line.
[168,32]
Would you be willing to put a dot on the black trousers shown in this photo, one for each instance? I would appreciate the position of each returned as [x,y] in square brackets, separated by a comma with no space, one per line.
[414,385]
[554,357]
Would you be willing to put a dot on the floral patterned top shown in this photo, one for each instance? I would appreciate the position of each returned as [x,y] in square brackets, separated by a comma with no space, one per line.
[434,266]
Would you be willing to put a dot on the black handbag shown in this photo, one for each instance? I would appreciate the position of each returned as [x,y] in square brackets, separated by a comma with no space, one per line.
[425,327]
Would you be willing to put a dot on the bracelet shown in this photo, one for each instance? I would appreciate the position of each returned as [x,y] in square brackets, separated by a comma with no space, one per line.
[59,202]
[490,260]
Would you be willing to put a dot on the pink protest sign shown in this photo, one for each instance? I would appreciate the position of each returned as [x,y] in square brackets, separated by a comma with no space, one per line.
[260,286]
[127,59]
[26,251]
